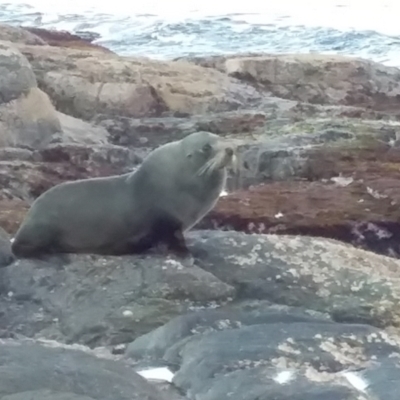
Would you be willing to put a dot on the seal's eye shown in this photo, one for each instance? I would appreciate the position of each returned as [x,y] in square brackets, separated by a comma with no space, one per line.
[207,148]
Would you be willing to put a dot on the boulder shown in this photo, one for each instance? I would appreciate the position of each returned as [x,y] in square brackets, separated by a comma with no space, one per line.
[315,78]
[98,301]
[27,117]
[272,352]
[43,370]
[85,83]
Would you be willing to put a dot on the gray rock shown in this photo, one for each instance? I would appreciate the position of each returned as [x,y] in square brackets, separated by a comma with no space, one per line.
[155,344]
[97,300]
[102,300]
[314,273]
[216,352]
[30,370]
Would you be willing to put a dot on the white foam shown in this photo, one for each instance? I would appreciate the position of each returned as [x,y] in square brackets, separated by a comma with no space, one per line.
[157,374]
[119,23]
[342,15]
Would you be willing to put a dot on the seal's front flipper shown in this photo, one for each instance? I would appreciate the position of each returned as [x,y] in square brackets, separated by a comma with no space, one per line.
[168,230]
[176,243]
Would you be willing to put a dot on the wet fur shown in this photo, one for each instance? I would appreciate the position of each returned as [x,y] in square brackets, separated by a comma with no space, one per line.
[175,186]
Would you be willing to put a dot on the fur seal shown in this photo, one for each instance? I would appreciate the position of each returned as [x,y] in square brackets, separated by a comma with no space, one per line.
[176,185]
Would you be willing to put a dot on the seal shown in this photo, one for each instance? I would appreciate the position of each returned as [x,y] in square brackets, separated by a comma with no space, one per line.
[176,185]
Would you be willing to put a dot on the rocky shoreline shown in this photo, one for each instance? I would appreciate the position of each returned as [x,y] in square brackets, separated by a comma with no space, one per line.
[296,270]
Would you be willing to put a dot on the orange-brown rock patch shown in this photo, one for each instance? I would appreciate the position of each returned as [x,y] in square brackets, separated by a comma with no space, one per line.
[360,205]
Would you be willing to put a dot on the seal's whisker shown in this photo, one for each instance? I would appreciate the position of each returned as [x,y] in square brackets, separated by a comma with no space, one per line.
[205,167]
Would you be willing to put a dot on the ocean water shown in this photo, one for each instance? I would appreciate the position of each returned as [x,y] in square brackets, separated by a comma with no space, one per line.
[167,29]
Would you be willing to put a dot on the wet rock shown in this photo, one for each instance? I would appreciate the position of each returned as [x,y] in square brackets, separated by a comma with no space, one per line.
[272,353]
[112,300]
[316,78]
[19,35]
[66,39]
[27,117]
[34,370]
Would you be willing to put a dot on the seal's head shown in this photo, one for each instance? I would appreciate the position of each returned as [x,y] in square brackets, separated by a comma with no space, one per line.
[208,152]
